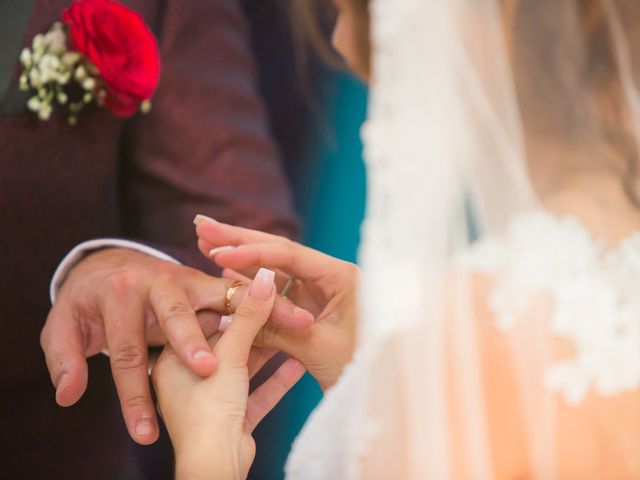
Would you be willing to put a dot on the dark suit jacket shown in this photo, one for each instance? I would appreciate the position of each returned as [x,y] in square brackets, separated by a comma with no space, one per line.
[204,148]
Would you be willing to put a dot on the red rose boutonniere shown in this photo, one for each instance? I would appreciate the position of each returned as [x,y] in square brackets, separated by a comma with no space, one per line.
[102,52]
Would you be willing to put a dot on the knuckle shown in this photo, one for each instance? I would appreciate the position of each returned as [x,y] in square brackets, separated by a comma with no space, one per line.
[165,276]
[293,249]
[176,312]
[120,283]
[248,311]
[267,337]
[174,309]
[128,357]
[193,340]
[138,400]
[175,273]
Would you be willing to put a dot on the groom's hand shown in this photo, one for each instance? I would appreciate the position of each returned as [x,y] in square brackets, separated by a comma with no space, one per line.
[123,300]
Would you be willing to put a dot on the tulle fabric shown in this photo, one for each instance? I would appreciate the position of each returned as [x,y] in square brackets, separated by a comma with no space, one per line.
[472,100]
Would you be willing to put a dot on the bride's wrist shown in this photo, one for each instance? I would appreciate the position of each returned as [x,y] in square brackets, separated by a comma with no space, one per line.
[205,461]
[205,458]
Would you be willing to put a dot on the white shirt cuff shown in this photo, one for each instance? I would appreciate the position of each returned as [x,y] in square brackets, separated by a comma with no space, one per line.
[75,255]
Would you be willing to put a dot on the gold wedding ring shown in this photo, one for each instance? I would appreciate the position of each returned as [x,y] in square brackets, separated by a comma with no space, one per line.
[231,291]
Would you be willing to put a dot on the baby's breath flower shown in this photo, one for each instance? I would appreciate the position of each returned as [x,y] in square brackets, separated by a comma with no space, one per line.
[55,39]
[24,82]
[50,61]
[38,42]
[34,77]
[80,73]
[48,67]
[44,113]
[62,98]
[25,57]
[145,106]
[70,58]
[64,78]
[34,104]
[89,83]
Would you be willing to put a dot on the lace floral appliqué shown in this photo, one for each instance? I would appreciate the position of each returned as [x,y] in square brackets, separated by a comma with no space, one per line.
[595,293]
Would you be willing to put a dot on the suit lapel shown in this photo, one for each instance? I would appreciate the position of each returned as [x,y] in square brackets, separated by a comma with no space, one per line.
[13,23]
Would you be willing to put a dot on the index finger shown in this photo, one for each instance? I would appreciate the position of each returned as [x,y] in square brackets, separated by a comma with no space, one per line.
[216,233]
[128,356]
[179,322]
[291,258]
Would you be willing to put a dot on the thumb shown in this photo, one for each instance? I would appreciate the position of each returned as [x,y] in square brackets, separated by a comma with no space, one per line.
[63,346]
[250,316]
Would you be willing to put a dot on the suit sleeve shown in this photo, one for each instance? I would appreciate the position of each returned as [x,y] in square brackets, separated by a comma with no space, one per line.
[206,146]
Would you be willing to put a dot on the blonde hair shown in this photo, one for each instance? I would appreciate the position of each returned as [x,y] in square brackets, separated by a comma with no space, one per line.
[585,70]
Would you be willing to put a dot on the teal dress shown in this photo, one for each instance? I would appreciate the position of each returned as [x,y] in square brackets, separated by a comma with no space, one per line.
[330,197]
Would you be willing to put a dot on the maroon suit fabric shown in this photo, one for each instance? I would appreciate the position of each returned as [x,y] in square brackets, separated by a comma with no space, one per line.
[204,148]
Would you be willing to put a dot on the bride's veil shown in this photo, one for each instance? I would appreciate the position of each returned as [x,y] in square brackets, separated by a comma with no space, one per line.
[469,99]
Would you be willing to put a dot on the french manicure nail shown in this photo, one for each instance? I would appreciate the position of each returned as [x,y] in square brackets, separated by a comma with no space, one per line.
[225,321]
[214,251]
[144,427]
[202,218]
[262,285]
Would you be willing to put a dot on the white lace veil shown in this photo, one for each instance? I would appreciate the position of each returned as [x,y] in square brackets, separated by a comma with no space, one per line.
[467,96]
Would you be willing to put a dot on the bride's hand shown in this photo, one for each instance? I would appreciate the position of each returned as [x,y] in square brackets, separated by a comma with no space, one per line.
[210,420]
[325,286]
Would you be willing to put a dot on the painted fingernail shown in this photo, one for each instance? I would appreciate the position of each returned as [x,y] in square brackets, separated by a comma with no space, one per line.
[202,218]
[144,427]
[262,285]
[214,251]
[225,321]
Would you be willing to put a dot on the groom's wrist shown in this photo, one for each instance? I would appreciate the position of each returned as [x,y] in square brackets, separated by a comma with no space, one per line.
[81,251]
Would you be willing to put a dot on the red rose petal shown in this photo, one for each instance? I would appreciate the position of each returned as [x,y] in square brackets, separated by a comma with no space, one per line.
[121,46]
